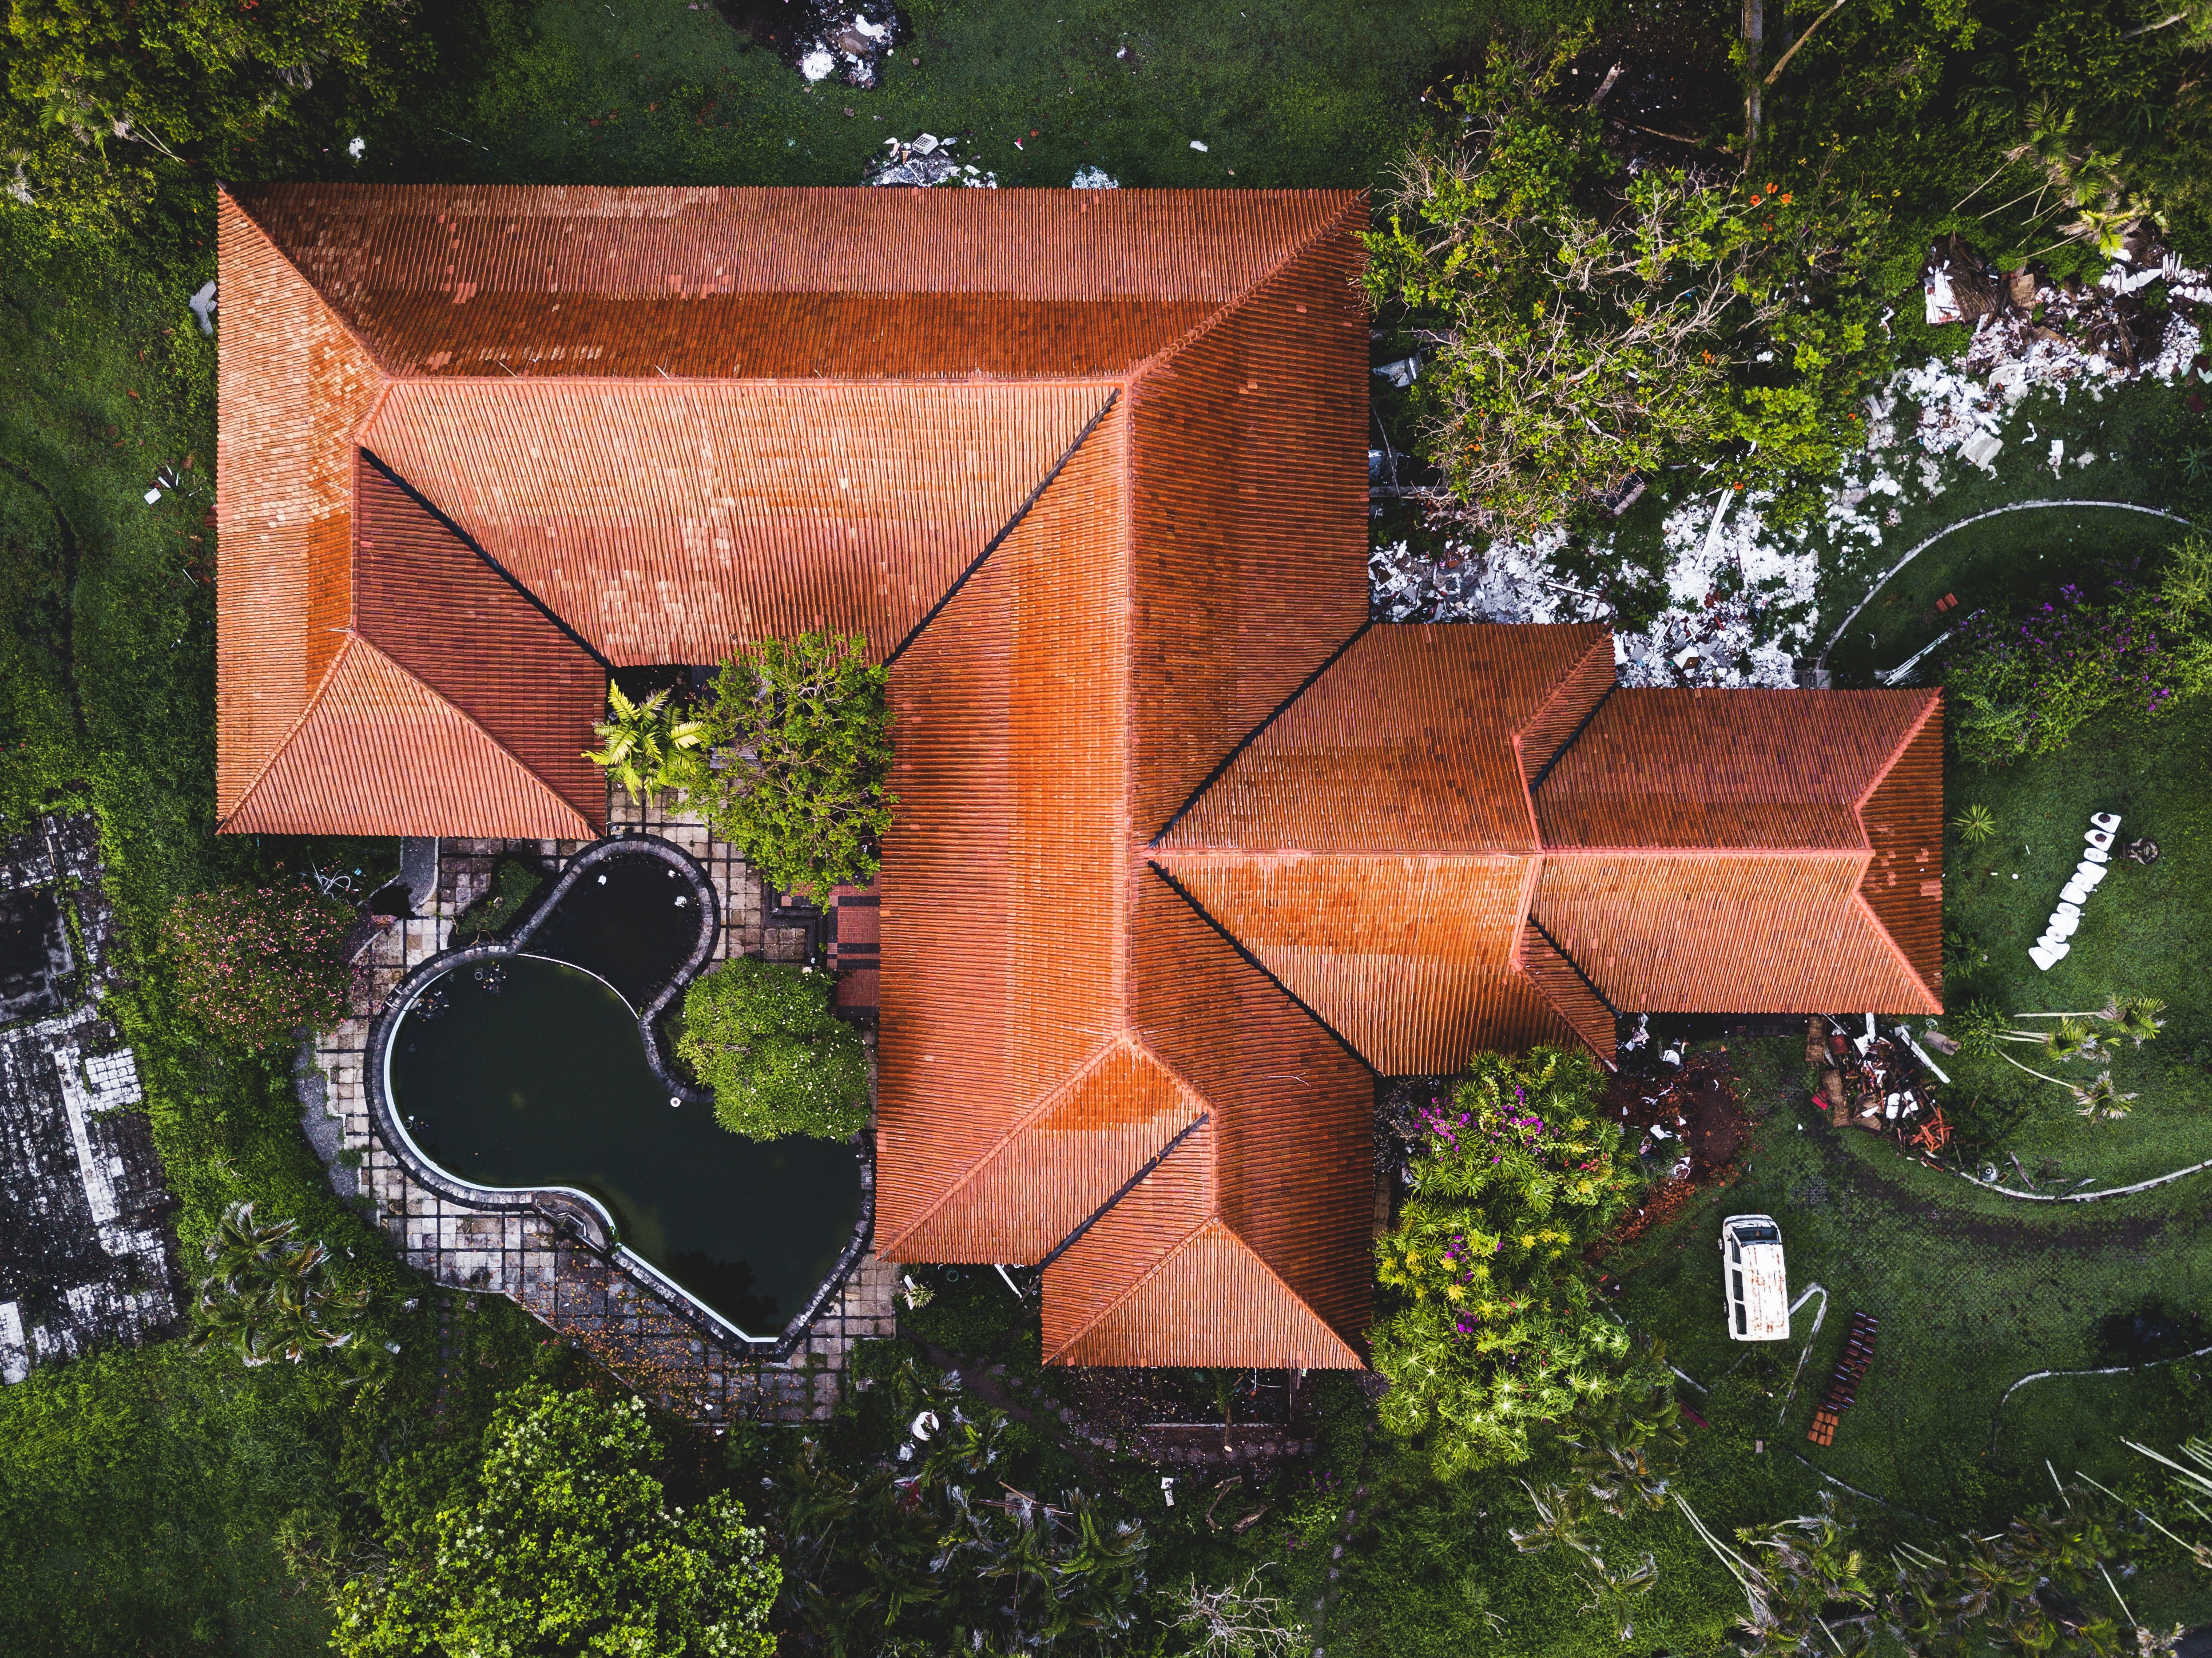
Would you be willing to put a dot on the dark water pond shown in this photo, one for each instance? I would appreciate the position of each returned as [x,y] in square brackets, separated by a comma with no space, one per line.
[533,1073]
[632,918]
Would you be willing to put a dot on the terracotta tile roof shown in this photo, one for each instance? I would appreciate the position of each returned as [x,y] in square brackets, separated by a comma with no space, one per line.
[293,384]
[1903,815]
[1771,768]
[372,720]
[1249,494]
[594,281]
[1570,995]
[665,521]
[1006,871]
[1406,744]
[1727,932]
[441,613]
[1409,959]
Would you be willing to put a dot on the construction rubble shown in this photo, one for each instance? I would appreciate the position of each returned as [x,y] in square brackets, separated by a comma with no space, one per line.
[1885,1084]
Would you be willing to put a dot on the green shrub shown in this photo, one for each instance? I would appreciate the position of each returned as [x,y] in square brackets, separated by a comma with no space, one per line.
[761,1035]
[802,734]
[572,1547]
[2021,686]
[513,884]
[649,746]
[1490,1328]
[255,966]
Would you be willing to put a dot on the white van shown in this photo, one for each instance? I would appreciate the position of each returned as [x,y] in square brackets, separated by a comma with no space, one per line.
[1754,1279]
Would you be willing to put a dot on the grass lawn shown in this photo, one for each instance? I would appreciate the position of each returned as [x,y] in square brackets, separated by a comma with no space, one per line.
[2142,931]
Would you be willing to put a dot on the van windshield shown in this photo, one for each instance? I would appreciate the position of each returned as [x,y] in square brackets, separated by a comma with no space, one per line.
[1759,1235]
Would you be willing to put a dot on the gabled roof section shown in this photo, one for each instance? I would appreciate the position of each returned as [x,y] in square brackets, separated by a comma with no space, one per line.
[294,385]
[663,521]
[1408,742]
[1409,959]
[1005,872]
[427,601]
[373,721]
[1747,769]
[1727,932]
[1903,817]
[779,284]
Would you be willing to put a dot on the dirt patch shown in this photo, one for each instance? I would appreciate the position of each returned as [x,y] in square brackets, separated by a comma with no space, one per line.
[1695,1108]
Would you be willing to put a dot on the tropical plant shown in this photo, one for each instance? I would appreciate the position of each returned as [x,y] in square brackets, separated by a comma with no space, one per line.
[2021,686]
[1627,1445]
[1580,322]
[1982,1029]
[1975,825]
[110,101]
[763,1036]
[1562,1521]
[270,1294]
[801,731]
[647,747]
[255,966]
[1491,1329]
[938,1551]
[513,884]
[570,1547]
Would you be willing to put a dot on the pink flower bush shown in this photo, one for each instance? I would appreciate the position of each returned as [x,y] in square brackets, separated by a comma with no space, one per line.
[255,965]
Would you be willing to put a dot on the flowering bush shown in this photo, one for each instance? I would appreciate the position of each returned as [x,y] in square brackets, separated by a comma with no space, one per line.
[1492,1329]
[2021,686]
[255,966]
[762,1036]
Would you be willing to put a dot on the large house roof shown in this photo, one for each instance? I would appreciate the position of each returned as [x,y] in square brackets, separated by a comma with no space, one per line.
[1186,852]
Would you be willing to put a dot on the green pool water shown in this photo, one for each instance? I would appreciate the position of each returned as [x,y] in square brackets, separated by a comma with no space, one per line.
[534,1074]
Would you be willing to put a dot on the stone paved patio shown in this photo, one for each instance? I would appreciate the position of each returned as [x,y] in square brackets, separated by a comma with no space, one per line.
[648,1337]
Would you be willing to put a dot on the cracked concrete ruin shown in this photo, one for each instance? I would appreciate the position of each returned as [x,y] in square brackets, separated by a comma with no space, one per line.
[87,1257]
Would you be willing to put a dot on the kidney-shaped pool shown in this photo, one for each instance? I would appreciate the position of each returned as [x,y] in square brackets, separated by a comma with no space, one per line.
[525,1072]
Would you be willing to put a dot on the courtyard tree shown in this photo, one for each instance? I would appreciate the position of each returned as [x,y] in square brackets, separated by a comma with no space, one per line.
[764,1036]
[270,1293]
[801,733]
[1489,1328]
[256,965]
[570,1546]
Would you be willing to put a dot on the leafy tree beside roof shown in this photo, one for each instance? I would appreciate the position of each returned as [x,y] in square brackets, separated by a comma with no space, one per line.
[763,1037]
[1579,324]
[109,102]
[801,733]
[1489,1328]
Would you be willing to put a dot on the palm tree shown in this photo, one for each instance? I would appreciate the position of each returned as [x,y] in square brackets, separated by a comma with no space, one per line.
[1975,825]
[270,1293]
[648,748]
[2098,1102]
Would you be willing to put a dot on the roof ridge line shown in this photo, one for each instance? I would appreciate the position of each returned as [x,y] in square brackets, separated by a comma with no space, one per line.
[1211,1217]
[1259,965]
[1247,740]
[1235,302]
[1932,708]
[1119,1041]
[1705,852]
[454,528]
[445,701]
[1561,951]
[292,732]
[1021,512]
[383,369]
[1127,1186]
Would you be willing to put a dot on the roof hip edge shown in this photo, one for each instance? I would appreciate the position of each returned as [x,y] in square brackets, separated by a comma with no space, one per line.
[1573,737]
[292,732]
[1021,512]
[1931,709]
[1126,1188]
[469,541]
[385,372]
[1250,736]
[1259,965]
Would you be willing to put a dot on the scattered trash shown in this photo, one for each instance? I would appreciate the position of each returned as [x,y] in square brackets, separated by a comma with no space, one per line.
[355,147]
[1403,373]
[1093,177]
[201,304]
[1198,144]
[927,162]
[153,496]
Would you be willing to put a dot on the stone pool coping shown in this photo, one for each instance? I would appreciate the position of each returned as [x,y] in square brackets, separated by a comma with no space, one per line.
[569,1210]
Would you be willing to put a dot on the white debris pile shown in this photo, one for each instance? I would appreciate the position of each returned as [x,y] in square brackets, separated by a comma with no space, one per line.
[845,45]
[927,162]
[1094,178]
[2034,334]
[1738,596]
